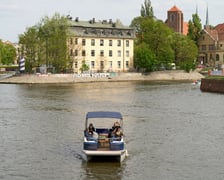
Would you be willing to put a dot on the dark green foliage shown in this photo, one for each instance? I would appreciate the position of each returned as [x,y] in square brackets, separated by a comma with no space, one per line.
[185,51]
[194,28]
[144,58]
[84,67]
[157,45]
[7,53]
[154,36]
[46,44]
[146,9]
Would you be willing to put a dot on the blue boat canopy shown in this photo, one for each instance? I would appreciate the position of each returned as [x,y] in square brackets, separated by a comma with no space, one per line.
[104,114]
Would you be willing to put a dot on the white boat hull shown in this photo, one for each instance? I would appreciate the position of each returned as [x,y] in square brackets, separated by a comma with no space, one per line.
[119,155]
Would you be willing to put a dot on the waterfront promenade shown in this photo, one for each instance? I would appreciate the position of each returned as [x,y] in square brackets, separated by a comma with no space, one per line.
[177,75]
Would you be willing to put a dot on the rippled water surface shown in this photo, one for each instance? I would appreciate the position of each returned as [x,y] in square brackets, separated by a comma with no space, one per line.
[173,131]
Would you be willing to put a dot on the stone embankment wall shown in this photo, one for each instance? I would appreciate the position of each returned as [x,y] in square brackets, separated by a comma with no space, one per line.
[176,75]
[212,85]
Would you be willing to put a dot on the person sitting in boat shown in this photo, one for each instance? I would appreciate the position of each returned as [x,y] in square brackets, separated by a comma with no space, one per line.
[118,133]
[91,131]
[116,130]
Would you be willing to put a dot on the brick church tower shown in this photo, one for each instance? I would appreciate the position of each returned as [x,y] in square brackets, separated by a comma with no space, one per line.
[175,19]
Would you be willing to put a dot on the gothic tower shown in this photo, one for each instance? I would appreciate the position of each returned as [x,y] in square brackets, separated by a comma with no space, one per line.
[175,19]
[206,21]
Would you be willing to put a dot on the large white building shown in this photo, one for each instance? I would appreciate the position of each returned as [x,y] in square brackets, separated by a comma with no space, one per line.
[105,46]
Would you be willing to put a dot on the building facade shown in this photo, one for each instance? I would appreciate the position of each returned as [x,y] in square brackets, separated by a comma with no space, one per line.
[211,46]
[175,20]
[104,46]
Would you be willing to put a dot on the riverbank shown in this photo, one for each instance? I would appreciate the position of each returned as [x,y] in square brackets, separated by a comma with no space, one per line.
[176,75]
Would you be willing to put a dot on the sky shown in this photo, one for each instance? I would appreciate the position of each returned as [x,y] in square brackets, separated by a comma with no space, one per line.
[17,15]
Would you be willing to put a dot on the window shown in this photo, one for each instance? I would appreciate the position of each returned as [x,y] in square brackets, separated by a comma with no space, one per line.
[172,18]
[203,47]
[110,53]
[71,52]
[83,42]
[118,53]
[127,64]
[92,64]
[217,57]
[110,43]
[127,43]
[101,53]
[211,47]
[83,53]
[92,42]
[110,64]
[76,40]
[127,53]
[118,42]
[101,64]
[92,52]
[76,52]
[71,41]
[101,42]
[119,64]
[76,64]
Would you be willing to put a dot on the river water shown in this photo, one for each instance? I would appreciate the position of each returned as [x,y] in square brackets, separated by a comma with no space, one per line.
[173,131]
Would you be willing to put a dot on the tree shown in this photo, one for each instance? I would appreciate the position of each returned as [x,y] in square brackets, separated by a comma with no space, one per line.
[84,67]
[144,58]
[54,33]
[46,44]
[29,41]
[156,35]
[147,10]
[195,28]
[185,51]
[7,53]
[157,45]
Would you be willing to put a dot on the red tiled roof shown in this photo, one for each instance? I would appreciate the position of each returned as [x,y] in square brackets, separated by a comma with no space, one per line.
[220,28]
[213,34]
[175,9]
[185,28]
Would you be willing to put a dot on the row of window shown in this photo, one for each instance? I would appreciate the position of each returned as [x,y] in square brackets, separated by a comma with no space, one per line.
[101,43]
[102,54]
[210,47]
[92,65]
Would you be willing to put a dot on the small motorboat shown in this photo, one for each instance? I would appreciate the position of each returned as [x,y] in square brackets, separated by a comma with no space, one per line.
[197,82]
[101,144]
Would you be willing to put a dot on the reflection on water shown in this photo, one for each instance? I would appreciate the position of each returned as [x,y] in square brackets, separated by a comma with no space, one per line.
[173,131]
[97,170]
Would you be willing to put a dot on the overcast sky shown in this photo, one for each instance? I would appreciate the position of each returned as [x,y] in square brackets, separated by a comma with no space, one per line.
[17,15]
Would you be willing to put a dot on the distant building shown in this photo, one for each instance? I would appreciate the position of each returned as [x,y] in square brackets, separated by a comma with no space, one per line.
[211,45]
[175,20]
[105,46]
